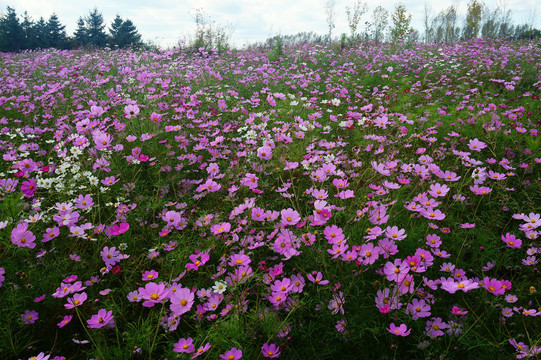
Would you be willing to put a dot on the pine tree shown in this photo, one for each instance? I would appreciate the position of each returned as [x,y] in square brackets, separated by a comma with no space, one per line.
[41,35]
[81,35]
[128,35]
[11,31]
[124,33]
[95,29]
[113,30]
[56,34]
[28,30]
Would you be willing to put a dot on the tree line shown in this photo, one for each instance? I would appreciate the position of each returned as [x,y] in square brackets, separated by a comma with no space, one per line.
[18,34]
[447,26]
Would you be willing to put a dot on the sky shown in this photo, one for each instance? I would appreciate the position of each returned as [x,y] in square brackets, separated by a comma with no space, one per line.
[164,22]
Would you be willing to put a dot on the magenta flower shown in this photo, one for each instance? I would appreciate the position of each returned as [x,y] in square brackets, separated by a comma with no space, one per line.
[317,278]
[184,346]
[131,111]
[289,217]
[494,286]
[110,256]
[220,228]
[476,145]
[401,330]
[512,241]
[418,309]
[432,214]
[109,181]
[201,350]
[270,350]
[28,188]
[84,202]
[181,301]
[50,233]
[264,152]
[29,316]
[480,190]
[153,293]
[22,237]
[2,278]
[150,275]
[101,319]
[396,271]
[458,311]
[434,327]
[239,259]
[65,321]
[76,300]
[233,354]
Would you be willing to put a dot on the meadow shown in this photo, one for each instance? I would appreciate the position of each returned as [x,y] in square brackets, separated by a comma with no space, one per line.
[359,200]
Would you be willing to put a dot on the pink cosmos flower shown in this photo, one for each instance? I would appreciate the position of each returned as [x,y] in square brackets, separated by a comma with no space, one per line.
[184,346]
[476,145]
[317,279]
[109,181]
[512,241]
[153,293]
[101,319]
[250,180]
[76,300]
[23,237]
[396,271]
[110,256]
[289,217]
[29,316]
[434,327]
[493,286]
[84,202]
[201,350]
[131,111]
[181,301]
[401,330]
[28,188]
[270,350]
[42,356]
[65,321]
[233,354]
[458,311]
[438,190]
[239,260]
[264,152]
[418,309]
[452,286]
[220,228]
[432,214]
[150,275]
[480,190]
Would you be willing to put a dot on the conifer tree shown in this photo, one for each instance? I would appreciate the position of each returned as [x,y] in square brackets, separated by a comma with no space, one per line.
[11,32]
[56,34]
[80,35]
[96,35]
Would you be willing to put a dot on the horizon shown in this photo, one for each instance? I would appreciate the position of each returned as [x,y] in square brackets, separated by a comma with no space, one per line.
[166,22]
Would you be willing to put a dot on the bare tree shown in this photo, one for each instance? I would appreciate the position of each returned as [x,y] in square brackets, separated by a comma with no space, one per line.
[428,28]
[329,10]
[354,15]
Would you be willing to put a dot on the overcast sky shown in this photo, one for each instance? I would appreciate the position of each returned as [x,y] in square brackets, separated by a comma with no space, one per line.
[165,21]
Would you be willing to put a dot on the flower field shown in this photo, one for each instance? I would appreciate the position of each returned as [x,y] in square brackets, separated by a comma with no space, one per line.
[373,201]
